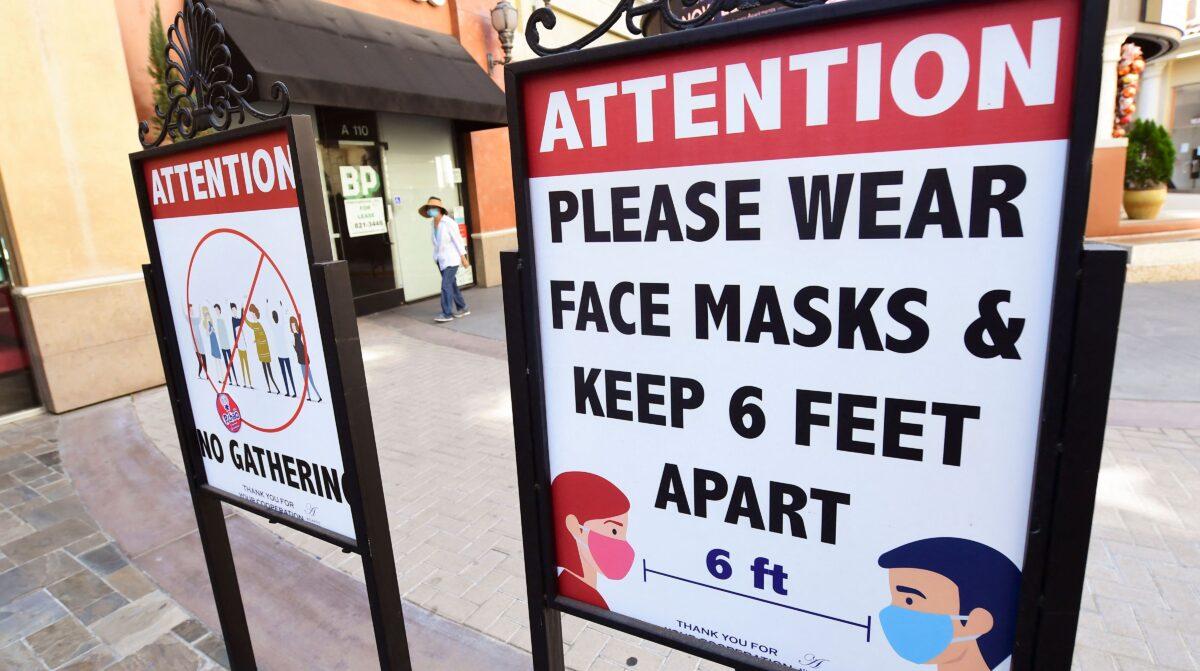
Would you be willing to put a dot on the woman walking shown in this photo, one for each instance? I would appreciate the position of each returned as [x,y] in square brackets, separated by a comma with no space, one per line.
[449,251]
[261,346]
[302,359]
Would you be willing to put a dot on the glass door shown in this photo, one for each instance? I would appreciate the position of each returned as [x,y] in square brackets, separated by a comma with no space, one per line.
[352,162]
[421,162]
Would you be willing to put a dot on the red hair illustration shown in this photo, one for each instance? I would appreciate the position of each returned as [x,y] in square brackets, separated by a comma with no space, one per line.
[590,519]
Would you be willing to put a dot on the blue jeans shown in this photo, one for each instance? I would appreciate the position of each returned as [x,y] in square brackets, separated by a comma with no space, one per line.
[451,295]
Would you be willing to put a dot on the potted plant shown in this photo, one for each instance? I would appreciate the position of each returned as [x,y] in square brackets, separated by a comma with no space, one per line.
[1149,162]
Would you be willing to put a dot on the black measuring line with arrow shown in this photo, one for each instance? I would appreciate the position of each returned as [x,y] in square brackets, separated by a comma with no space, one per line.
[647,571]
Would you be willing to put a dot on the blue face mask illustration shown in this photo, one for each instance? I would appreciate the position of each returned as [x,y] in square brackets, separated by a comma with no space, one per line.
[919,637]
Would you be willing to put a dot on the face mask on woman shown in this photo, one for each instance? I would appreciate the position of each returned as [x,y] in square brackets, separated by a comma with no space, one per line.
[613,556]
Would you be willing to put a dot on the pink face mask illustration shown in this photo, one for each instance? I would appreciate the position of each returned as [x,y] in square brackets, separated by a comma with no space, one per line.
[614,556]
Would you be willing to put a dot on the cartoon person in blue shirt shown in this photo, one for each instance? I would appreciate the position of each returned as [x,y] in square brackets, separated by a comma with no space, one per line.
[954,604]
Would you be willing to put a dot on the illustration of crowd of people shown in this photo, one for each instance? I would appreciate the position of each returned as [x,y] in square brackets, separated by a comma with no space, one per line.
[273,334]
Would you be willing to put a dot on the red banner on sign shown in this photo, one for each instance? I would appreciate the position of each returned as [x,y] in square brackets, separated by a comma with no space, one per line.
[951,76]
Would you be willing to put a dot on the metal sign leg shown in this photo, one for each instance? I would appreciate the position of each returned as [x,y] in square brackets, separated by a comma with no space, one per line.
[545,623]
[367,502]
[210,518]
[1097,312]
[218,555]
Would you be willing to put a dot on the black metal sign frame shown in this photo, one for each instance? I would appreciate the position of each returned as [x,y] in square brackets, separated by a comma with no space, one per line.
[347,394]
[1084,314]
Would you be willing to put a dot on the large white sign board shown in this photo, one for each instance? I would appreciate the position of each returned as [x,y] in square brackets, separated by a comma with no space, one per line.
[794,299]
[231,241]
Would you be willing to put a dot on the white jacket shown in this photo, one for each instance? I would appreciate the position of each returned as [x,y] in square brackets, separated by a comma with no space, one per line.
[448,245]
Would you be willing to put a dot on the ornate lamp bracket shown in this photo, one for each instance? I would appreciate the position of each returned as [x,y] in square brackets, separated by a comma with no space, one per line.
[200,83]
[543,17]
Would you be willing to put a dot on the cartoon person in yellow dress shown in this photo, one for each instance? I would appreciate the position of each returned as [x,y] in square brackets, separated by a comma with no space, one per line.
[261,345]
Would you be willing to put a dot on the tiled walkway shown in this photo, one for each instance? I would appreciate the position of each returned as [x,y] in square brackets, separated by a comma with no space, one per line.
[69,599]
[451,490]
[450,484]
[1141,605]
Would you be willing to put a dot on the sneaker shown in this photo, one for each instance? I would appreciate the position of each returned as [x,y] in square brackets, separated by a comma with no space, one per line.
[464,313]
[442,319]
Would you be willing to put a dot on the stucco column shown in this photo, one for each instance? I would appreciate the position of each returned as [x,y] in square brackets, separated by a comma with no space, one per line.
[1152,94]
[69,207]
[1108,159]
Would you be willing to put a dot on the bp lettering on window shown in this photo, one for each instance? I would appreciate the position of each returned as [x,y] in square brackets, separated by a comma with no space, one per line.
[363,201]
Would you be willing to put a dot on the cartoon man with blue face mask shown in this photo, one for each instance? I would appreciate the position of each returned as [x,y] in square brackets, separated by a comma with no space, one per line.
[954,604]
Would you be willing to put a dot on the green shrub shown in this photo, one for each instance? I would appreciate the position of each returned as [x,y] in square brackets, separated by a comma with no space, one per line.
[157,65]
[1150,159]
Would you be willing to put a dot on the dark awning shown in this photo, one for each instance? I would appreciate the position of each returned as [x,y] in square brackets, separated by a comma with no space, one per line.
[329,55]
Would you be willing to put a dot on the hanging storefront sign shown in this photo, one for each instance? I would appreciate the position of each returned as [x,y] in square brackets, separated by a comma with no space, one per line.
[339,124]
[261,355]
[796,293]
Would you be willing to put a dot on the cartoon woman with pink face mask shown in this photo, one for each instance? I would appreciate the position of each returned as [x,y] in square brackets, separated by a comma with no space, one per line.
[591,518]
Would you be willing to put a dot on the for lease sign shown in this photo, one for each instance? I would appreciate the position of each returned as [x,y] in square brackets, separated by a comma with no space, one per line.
[794,294]
[230,236]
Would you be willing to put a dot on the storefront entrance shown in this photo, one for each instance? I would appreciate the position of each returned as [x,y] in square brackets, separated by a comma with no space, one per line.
[392,102]
[350,155]
[16,379]
[378,169]
[421,162]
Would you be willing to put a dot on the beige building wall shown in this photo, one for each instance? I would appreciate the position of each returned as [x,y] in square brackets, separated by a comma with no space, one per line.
[69,210]
[1181,69]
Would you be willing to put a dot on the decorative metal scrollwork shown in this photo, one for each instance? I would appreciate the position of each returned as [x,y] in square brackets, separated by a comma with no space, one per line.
[200,82]
[543,17]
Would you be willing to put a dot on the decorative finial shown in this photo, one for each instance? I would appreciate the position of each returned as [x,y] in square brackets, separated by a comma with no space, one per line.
[199,79]
[544,17]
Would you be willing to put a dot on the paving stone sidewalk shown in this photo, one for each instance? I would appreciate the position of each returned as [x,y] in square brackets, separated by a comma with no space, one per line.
[450,485]
[1141,604]
[69,599]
